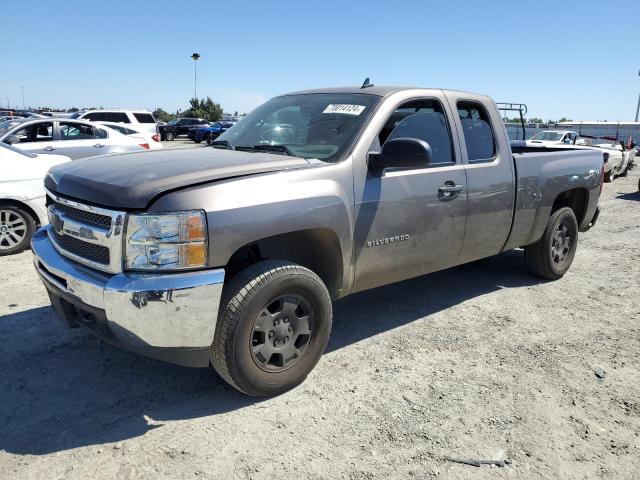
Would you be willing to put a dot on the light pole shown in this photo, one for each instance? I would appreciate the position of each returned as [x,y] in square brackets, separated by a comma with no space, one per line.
[638,107]
[195,57]
[22,88]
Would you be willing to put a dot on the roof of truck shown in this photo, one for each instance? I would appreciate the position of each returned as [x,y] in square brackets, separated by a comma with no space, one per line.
[378,90]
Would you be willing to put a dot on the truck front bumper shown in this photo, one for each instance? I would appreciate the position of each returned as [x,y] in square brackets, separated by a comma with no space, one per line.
[171,317]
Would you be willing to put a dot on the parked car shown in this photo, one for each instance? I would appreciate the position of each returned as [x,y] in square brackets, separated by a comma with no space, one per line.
[179,126]
[73,138]
[146,139]
[231,255]
[553,137]
[22,196]
[617,156]
[139,120]
[209,132]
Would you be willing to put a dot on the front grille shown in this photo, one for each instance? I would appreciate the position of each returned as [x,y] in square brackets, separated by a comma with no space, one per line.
[82,216]
[86,250]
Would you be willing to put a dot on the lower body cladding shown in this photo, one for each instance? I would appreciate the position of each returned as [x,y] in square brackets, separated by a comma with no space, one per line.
[170,317]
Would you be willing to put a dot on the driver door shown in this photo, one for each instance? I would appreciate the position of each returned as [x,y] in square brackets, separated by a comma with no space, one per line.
[36,138]
[408,222]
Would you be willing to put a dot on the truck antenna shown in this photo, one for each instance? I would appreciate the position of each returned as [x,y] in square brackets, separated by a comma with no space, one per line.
[366,83]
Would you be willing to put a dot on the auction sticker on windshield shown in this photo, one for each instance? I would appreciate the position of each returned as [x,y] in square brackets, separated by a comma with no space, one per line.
[346,109]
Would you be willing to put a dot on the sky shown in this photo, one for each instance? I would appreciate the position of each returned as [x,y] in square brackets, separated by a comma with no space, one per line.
[577,59]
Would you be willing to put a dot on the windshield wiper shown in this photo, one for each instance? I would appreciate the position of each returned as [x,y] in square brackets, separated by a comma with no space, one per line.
[270,148]
[223,143]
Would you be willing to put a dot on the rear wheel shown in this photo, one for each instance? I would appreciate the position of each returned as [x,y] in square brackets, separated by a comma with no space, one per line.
[552,255]
[273,326]
[16,229]
[170,136]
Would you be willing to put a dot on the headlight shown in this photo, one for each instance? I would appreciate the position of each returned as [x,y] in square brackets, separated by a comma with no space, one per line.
[166,241]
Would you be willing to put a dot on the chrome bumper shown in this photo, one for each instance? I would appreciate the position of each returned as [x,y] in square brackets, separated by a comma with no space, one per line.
[142,310]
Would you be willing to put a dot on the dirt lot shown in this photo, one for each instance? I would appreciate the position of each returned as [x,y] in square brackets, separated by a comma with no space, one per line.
[480,361]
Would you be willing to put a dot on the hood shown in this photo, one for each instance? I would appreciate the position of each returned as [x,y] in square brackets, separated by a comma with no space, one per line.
[131,181]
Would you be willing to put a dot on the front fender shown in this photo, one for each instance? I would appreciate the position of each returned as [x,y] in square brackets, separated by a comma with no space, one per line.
[243,210]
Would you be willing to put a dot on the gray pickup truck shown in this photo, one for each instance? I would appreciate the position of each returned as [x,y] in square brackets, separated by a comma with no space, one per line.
[231,254]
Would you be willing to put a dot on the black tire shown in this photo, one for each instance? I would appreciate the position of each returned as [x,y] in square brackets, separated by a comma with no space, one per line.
[551,256]
[207,138]
[169,136]
[241,335]
[16,229]
[609,176]
[624,172]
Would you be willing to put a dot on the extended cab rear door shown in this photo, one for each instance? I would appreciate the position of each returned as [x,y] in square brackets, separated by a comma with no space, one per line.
[410,221]
[488,161]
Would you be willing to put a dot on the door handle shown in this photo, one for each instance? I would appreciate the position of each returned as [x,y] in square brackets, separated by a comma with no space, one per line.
[449,189]
[98,145]
[48,149]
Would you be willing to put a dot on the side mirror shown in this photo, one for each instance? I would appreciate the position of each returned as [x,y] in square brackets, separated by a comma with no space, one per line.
[401,153]
[11,139]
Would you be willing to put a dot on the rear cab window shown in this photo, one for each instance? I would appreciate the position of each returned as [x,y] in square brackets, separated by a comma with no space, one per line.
[477,132]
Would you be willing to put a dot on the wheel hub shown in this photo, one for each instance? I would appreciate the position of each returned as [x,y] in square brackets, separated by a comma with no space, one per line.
[561,243]
[13,229]
[281,333]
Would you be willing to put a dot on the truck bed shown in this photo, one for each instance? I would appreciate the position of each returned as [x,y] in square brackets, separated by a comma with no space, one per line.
[542,174]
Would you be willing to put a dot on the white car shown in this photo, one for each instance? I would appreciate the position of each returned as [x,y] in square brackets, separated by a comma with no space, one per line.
[138,120]
[73,138]
[617,157]
[22,196]
[152,140]
[548,138]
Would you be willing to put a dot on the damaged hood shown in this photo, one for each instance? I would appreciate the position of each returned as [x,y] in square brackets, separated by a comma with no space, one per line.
[131,181]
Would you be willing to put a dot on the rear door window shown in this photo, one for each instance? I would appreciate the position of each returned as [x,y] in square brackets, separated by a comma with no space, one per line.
[79,131]
[117,117]
[477,132]
[95,117]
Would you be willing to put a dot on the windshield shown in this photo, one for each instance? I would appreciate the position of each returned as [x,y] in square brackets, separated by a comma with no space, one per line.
[552,136]
[17,150]
[76,115]
[320,125]
[172,122]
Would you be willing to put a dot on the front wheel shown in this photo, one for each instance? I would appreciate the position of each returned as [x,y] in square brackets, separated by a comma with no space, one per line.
[170,136]
[273,326]
[551,256]
[16,229]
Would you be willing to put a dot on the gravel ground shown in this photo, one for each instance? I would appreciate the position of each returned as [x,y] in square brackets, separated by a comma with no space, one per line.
[181,142]
[480,361]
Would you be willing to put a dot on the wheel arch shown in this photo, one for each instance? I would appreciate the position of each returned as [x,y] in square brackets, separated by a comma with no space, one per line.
[576,199]
[317,249]
[17,203]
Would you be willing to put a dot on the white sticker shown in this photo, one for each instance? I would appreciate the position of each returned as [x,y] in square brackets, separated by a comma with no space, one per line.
[346,109]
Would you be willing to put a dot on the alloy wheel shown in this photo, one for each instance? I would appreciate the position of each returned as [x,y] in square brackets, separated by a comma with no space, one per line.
[13,229]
